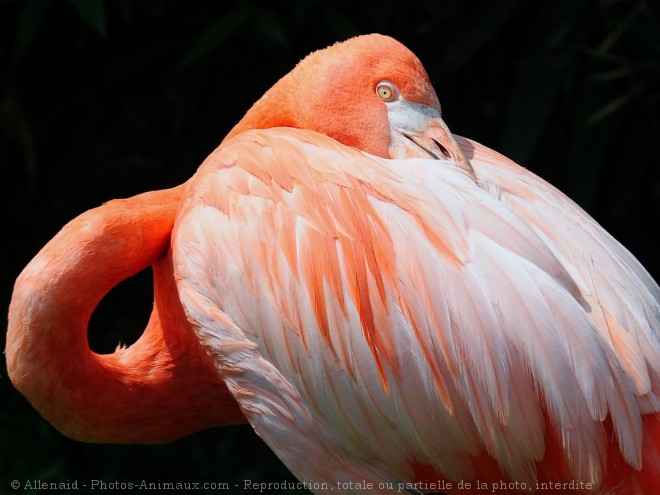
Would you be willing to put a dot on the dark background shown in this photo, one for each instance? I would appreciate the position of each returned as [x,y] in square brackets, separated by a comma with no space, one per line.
[105,99]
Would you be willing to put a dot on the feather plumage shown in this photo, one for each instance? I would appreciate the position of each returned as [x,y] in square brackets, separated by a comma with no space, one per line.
[400,314]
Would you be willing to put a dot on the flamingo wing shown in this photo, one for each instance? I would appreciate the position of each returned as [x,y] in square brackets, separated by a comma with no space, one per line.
[391,321]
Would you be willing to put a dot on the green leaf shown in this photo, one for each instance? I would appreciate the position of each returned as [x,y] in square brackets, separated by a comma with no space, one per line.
[618,73]
[615,105]
[621,28]
[93,13]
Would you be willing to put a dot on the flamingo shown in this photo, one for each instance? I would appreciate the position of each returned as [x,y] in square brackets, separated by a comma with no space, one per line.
[390,306]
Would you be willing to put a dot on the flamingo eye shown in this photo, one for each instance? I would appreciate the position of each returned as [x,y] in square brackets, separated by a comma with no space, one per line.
[387,91]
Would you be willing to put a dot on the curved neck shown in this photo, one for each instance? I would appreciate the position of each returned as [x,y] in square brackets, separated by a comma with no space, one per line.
[160,388]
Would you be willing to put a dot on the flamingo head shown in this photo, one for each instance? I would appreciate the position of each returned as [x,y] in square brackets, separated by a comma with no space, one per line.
[369,92]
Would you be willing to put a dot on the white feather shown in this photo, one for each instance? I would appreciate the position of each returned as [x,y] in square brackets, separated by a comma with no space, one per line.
[397,312]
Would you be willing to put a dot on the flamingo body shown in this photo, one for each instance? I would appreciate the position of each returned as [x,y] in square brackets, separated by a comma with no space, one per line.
[403,323]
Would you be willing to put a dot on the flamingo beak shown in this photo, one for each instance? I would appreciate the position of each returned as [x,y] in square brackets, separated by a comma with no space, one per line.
[418,131]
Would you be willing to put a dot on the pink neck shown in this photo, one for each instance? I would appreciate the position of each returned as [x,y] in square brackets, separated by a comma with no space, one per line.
[162,387]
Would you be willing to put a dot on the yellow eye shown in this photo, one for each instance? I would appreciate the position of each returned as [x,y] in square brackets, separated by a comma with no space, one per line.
[387,91]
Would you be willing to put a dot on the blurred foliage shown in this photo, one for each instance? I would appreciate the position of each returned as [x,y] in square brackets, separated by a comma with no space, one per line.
[102,99]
